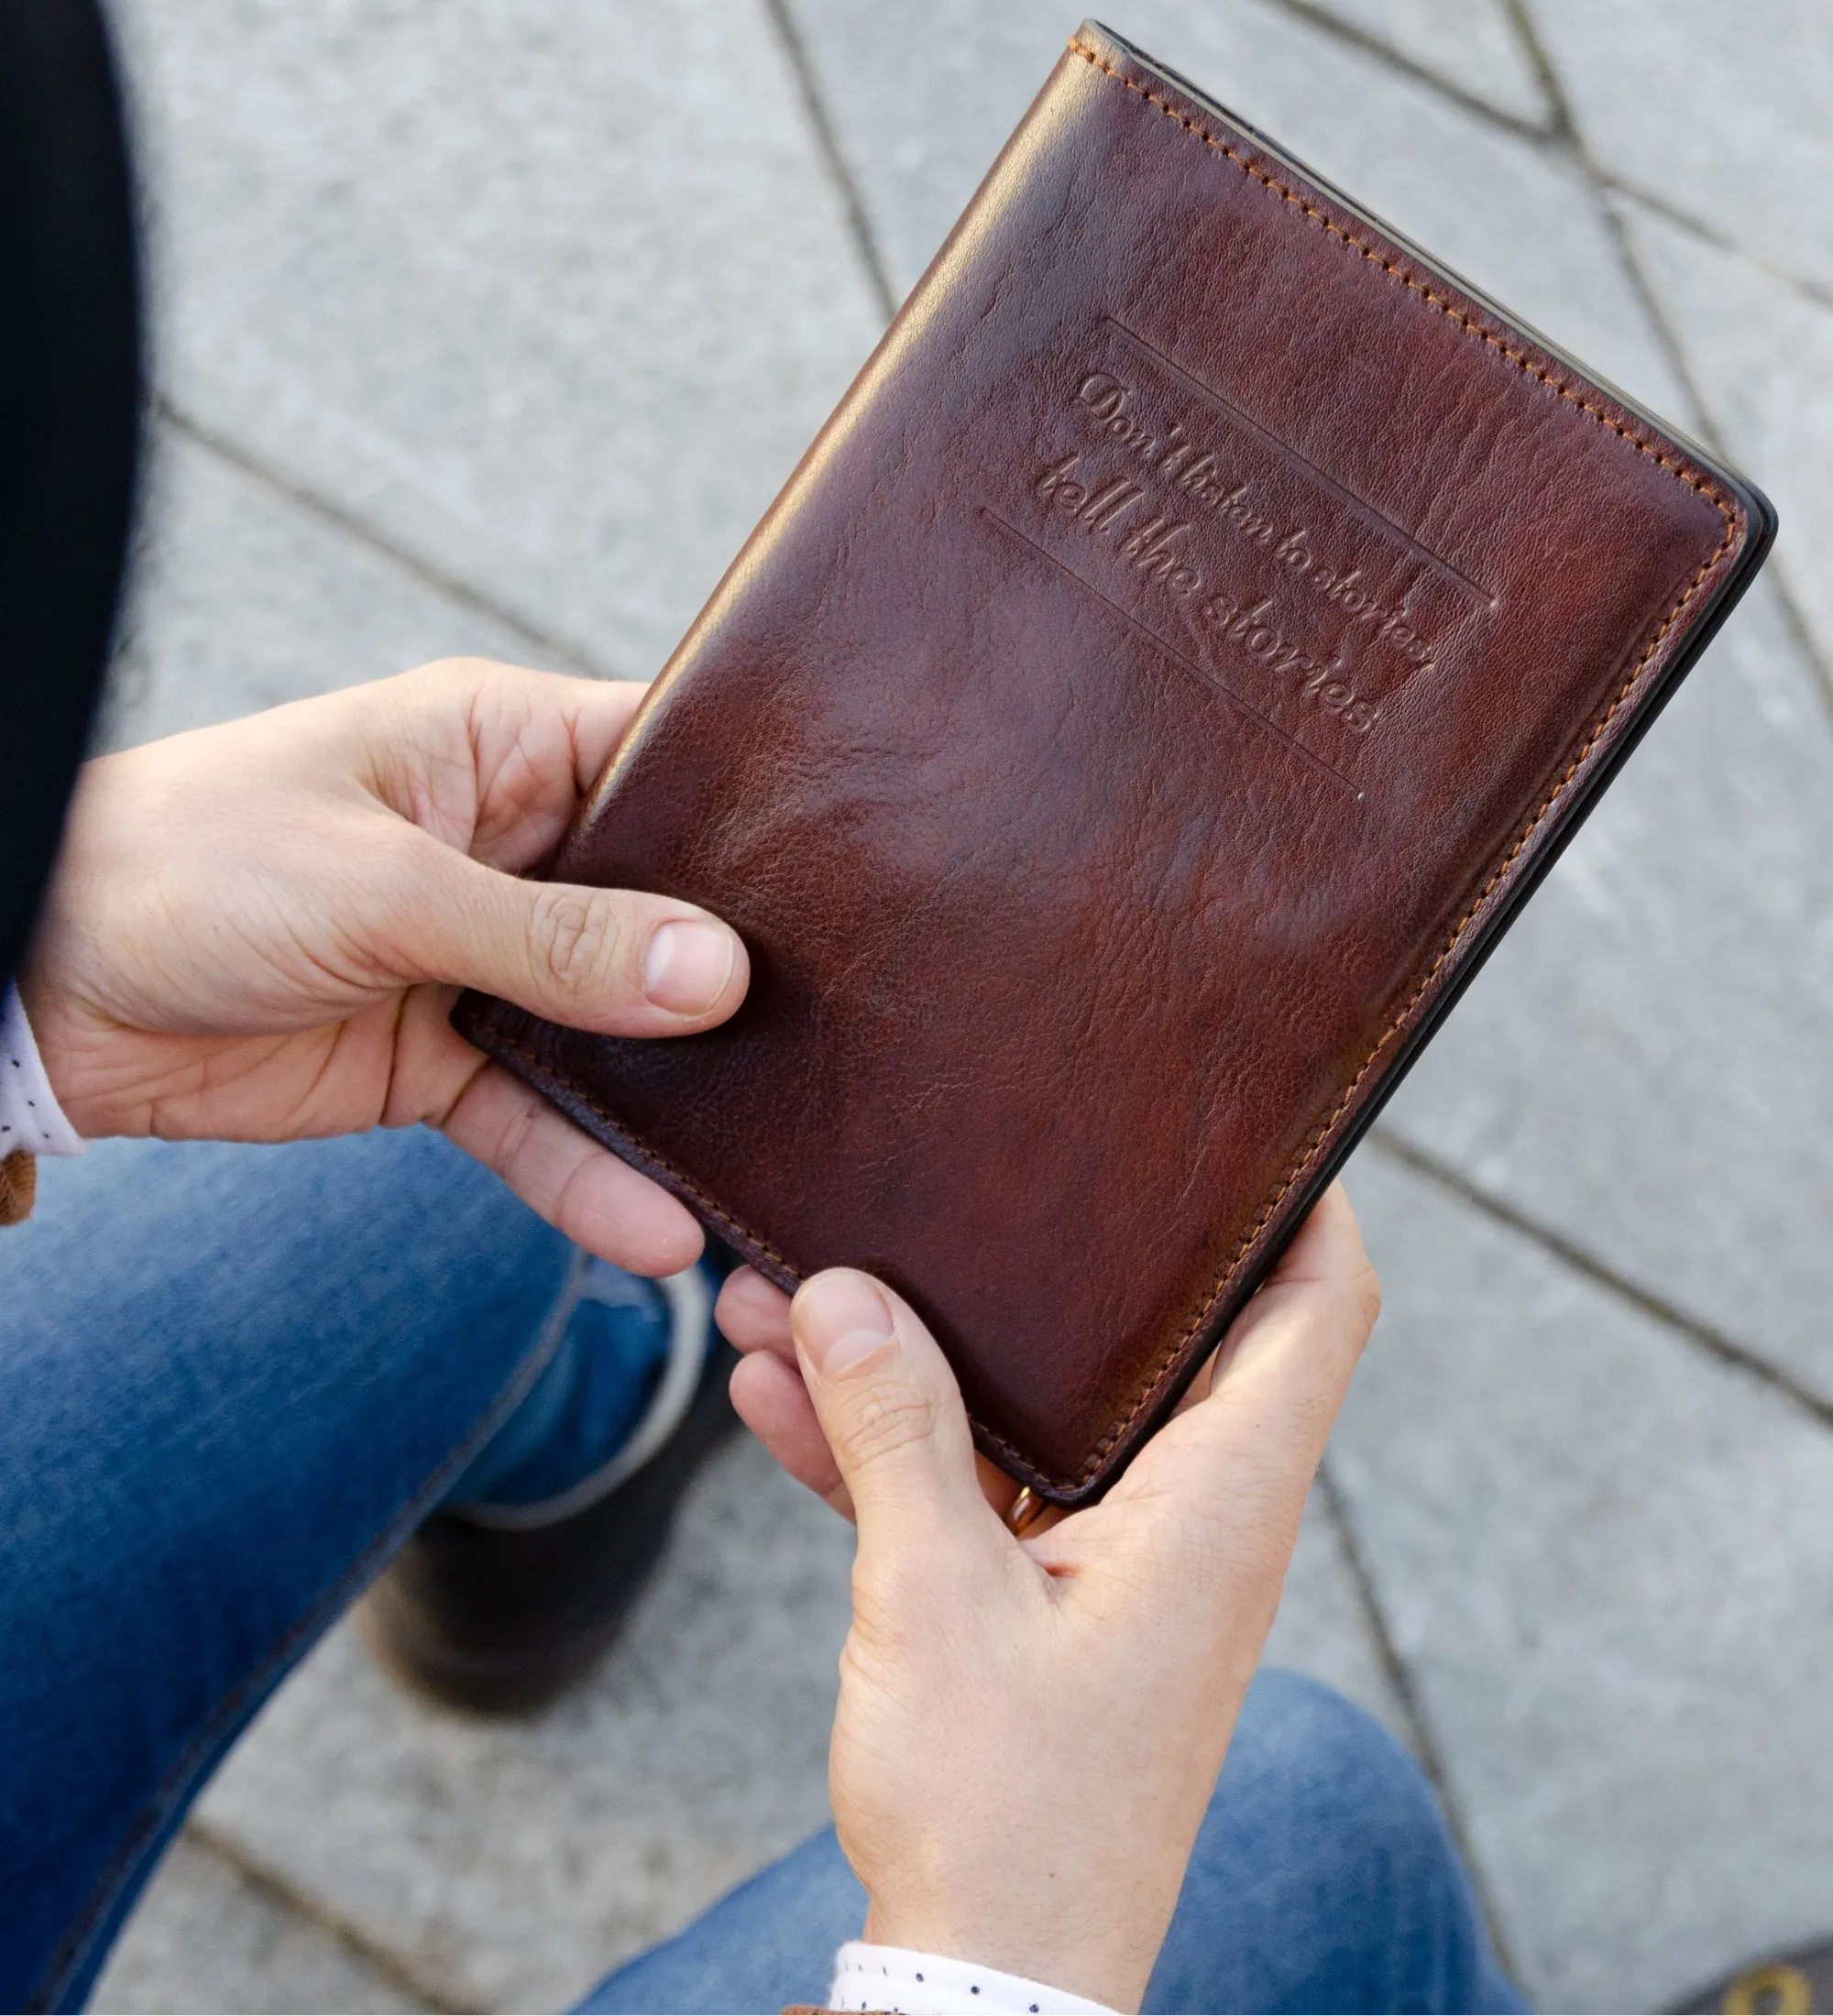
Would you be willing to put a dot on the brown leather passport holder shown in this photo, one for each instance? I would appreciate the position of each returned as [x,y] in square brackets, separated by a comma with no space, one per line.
[1197,629]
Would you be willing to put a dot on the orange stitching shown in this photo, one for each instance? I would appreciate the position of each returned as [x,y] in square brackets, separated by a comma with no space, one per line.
[712,1205]
[1376,258]
[660,1161]
[1308,1154]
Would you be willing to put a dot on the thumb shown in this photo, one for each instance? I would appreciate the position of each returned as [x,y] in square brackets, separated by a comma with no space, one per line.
[887,1403]
[1224,1481]
[612,960]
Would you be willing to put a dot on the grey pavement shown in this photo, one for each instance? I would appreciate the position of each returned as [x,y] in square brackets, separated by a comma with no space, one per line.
[494,329]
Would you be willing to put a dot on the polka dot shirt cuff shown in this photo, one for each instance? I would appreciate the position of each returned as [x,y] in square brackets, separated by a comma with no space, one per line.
[30,1117]
[918,1984]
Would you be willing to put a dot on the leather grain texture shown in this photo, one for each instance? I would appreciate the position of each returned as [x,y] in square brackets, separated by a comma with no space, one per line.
[1191,630]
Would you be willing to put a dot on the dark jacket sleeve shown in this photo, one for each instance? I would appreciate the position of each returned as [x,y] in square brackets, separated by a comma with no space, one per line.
[70,401]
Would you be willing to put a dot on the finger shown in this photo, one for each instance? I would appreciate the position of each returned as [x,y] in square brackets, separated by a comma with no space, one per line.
[1231,1473]
[1316,1310]
[1282,1371]
[1000,1491]
[889,1407]
[772,1401]
[1297,1342]
[537,742]
[521,719]
[1311,1258]
[1198,1391]
[611,960]
[1327,1249]
[754,1315]
[580,1189]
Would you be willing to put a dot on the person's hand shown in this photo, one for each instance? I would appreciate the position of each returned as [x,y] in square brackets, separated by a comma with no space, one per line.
[256,932]
[1029,1730]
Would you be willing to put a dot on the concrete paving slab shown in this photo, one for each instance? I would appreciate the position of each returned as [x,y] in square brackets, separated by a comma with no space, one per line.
[921,95]
[1604,1557]
[1720,112]
[203,1936]
[553,297]
[1646,1064]
[923,92]
[1760,353]
[1472,45]
[243,599]
[514,1865]
[555,294]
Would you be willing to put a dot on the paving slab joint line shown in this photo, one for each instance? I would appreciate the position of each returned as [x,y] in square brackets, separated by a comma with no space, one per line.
[1366,44]
[1670,1316]
[1557,136]
[1683,220]
[563,655]
[1400,1678]
[1560,128]
[826,134]
[1794,621]
[399,1972]
[1565,138]
[1565,135]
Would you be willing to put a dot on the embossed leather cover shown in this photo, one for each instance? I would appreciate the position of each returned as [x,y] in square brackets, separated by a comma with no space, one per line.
[1198,626]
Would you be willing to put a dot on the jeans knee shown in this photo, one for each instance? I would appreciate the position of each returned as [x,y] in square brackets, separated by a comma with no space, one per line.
[1323,1875]
[1322,1764]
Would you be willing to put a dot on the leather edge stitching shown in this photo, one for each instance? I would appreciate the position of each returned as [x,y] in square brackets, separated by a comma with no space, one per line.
[1396,269]
[1308,1154]
[741,1233]
[710,1204]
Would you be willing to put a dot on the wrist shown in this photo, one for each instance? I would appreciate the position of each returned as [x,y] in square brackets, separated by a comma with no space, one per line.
[1110,1968]
[32,1119]
[927,1984]
[45,1016]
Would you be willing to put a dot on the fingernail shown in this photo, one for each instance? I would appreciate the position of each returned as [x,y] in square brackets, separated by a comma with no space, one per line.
[840,1318]
[687,965]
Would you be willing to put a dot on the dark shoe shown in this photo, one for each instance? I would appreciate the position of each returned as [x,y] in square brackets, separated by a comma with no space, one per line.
[488,1612]
[1789,1984]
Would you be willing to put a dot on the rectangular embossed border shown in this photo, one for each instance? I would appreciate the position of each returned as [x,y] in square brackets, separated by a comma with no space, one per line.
[1674,643]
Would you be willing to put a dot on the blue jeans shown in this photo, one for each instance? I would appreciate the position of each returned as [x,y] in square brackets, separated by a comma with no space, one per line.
[1323,1880]
[232,1380]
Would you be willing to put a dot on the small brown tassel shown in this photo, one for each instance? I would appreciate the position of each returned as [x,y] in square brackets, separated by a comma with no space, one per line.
[18,1187]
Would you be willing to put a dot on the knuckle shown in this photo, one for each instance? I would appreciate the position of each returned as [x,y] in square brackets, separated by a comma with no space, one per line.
[434,671]
[511,1155]
[896,1415]
[578,941]
[443,673]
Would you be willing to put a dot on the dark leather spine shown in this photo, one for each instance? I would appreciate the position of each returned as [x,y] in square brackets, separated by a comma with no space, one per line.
[1200,624]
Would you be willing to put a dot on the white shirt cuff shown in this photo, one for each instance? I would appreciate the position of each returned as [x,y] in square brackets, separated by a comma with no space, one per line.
[30,1117]
[918,1984]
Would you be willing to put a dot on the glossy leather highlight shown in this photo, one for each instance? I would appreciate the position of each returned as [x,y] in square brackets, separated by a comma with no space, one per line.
[1196,626]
